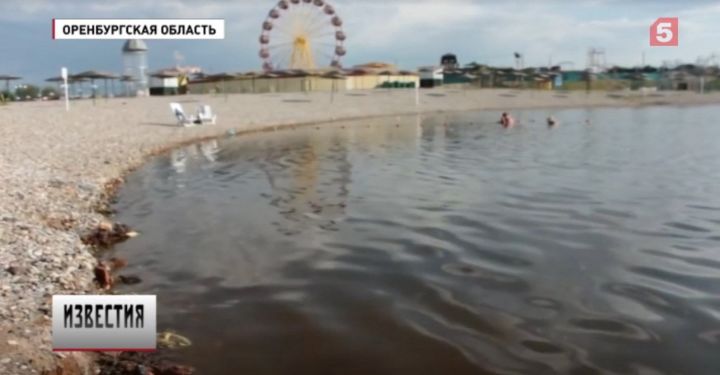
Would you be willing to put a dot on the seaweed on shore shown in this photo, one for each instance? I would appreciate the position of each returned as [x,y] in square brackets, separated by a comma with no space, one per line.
[103,276]
[107,234]
[103,273]
[108,194]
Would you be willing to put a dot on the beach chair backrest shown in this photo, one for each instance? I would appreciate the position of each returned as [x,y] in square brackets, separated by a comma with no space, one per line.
[205,111]
[177,110]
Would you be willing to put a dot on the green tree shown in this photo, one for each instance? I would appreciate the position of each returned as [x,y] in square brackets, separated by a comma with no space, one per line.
[27,92]
[50,92]
[7,96]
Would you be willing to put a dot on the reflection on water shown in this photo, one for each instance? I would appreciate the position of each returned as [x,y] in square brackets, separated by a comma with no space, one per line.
[208,150]
[440,245]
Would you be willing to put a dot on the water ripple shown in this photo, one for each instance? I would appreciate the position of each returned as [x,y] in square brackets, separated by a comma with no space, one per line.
[440,245]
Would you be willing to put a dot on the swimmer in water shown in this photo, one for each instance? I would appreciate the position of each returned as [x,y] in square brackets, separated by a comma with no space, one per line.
[506,120]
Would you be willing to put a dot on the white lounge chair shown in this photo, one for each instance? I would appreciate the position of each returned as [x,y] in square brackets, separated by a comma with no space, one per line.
[205,115]
[182,118]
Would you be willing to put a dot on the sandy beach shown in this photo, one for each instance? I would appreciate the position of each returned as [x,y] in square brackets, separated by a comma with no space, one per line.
[56,167]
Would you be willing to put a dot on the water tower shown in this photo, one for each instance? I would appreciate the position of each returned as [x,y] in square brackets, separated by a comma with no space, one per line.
[135,67]
[449,62]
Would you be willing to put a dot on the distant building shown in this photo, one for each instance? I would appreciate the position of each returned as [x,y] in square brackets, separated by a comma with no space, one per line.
[268,82]
[456,78]
[165,82]
[135,67]
[573,76]
[379,75]
[453,74]
[683,81]
[173,81]
[360,77]
[431,76]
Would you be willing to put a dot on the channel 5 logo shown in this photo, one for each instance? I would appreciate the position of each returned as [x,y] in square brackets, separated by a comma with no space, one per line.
[664,32]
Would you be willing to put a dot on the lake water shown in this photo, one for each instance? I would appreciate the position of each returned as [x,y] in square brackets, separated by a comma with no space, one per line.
[440,245]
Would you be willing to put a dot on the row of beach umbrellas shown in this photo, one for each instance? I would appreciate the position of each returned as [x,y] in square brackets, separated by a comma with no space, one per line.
[90,75]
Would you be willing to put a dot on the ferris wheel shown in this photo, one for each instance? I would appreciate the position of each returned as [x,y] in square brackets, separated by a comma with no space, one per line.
[302,34]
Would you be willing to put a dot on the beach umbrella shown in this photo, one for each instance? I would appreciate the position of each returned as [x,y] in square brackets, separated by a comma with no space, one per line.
[77,81]
[7,80]
[56,80]
[127,80]
[334,75]
[59,79]
[299,73]
[223,77]
[252,76]
[92,75]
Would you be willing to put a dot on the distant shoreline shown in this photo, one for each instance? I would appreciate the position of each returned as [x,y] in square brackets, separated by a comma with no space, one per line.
[59,167]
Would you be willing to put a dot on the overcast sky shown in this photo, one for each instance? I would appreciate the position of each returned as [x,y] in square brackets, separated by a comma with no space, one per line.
[409,33]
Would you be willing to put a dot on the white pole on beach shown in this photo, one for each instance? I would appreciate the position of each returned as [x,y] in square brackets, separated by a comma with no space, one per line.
[64,74]
[417,95]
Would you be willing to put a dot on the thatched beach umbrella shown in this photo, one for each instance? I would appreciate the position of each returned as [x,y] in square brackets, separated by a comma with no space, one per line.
[127,80]
[78,82]
[7,80]
[58,80]
[334,75]
[222,77]
[252,76]
[300,73]
[92,75]
[55,79]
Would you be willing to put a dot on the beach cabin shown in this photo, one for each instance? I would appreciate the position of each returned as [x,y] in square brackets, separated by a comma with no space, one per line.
[379,75]
[431,76]
[165,82]
[683,81]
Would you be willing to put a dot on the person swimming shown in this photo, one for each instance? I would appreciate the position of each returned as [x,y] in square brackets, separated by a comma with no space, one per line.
[551,121]
[506,120]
